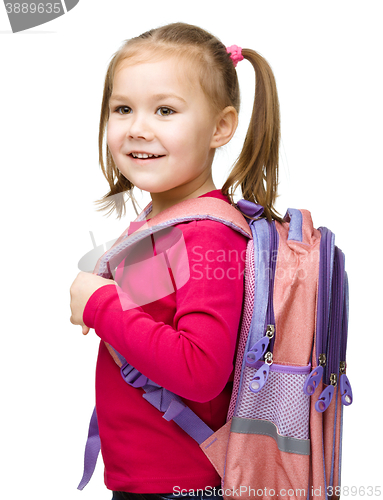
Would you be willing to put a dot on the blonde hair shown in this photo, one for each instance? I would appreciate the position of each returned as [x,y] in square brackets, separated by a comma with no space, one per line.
[256,169]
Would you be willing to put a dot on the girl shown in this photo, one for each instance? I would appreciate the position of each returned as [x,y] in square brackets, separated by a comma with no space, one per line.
[171,98]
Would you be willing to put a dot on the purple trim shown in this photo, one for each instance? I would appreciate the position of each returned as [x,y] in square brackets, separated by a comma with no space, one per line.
[261,241]
[333,438]
[178,220]
[343,343]
[340,444]
[116,254]
[286,368]
[145,213]
[211,442]
[294,216]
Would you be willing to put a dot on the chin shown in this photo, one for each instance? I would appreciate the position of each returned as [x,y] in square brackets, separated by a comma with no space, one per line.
[155,187]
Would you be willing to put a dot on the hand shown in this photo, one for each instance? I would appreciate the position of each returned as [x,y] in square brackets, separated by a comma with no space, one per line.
[82,288]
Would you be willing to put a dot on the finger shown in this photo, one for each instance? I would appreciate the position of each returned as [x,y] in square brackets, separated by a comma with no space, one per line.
[85,330]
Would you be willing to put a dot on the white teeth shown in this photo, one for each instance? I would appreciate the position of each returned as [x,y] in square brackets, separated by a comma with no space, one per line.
[143,155]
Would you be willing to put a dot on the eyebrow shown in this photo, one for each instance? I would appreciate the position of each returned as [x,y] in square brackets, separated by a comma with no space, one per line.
[156,97]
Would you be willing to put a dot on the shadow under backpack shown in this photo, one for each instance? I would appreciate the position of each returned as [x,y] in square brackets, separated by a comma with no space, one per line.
[279,435]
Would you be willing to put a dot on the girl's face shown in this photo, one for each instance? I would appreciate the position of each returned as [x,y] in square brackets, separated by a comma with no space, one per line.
[161,127]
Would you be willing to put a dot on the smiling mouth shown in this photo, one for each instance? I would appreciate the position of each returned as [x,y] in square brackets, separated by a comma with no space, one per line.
[144,156]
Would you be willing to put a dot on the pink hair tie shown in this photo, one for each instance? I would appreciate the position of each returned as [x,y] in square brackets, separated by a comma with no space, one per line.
[235,54]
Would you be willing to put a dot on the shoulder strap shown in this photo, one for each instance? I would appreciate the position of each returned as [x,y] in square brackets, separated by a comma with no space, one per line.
[188,210]
[165,401]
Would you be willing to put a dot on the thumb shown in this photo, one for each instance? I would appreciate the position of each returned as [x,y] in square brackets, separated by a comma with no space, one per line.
[85,330]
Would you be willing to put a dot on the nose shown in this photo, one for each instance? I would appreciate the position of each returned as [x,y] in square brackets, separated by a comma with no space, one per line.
[139,127]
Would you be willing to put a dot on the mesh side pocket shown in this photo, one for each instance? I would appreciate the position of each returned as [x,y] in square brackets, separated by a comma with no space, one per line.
[247,315]
[281,401]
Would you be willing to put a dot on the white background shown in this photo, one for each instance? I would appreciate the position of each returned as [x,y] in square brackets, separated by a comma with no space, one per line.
[327,59]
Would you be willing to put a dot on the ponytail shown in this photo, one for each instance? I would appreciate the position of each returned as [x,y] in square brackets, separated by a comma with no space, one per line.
[256,169]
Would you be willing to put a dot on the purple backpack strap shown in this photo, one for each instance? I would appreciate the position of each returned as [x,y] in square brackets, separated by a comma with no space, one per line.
[294,216]
[169,403]
[165,401]
[92,450]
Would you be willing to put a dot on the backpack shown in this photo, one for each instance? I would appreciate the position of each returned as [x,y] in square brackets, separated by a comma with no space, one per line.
[283,434]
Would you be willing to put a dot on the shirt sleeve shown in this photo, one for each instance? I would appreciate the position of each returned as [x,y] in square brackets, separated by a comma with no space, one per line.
[193,356]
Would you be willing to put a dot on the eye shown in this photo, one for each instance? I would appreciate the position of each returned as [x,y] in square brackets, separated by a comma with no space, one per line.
[123,110]
[164,111]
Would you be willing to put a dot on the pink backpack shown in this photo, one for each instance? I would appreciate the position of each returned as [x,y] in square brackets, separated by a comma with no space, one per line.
[284,426]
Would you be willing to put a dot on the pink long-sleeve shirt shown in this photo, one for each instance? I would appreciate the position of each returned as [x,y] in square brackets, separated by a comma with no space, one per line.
[184,342]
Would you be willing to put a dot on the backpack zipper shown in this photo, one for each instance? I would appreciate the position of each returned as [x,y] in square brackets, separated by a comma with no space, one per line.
[337,325]
[324,295]
[268,341]
[323,309]
[270,317]
[344,383]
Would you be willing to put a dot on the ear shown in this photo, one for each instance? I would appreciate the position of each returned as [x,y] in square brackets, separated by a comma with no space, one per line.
[226,125]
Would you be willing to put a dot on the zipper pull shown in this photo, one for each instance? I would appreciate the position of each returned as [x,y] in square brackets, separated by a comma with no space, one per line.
[313,380]
[261,375]
[258,350]
[345,386]
[345,390]
[326,397]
